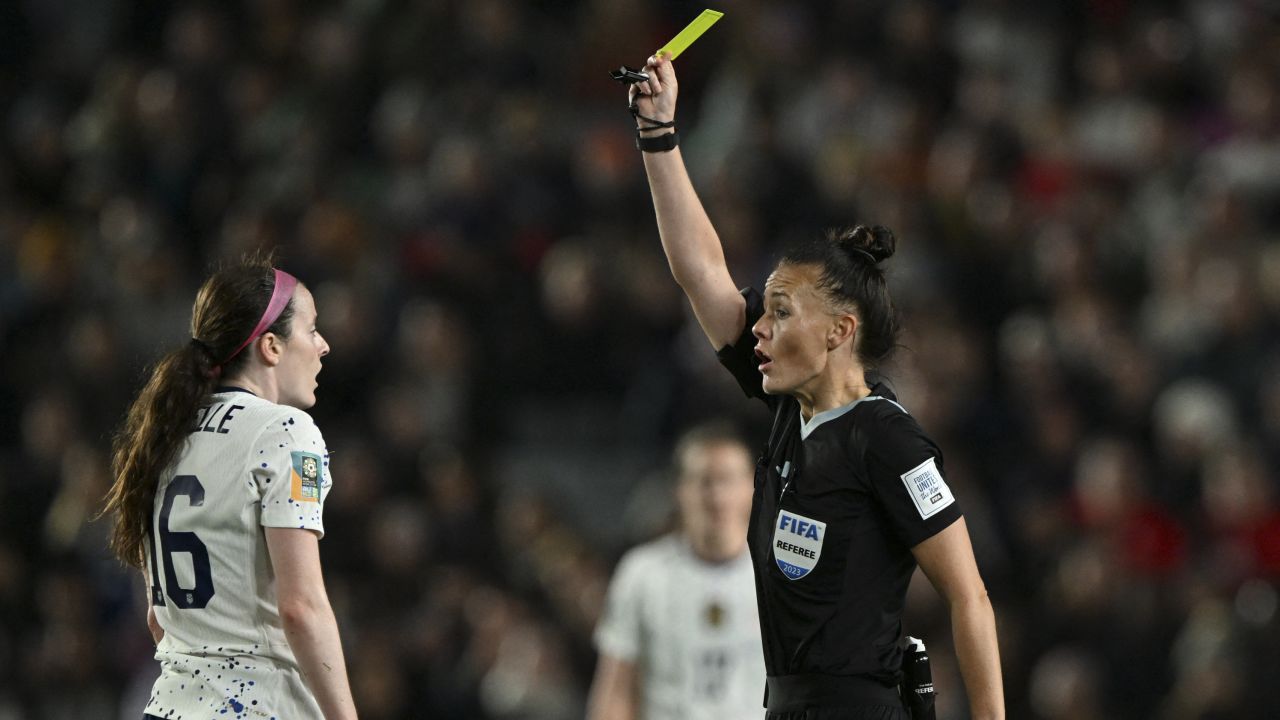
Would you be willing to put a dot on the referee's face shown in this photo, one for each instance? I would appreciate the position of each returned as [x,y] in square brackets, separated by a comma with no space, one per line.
[791,336]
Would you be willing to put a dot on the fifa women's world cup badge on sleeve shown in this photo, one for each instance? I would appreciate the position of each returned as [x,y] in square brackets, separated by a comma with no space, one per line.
[927,489]
[306,477]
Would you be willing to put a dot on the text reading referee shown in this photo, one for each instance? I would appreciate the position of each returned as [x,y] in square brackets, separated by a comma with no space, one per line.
[850,494]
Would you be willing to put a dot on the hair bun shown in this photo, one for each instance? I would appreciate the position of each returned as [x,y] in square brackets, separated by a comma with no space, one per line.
[875,243]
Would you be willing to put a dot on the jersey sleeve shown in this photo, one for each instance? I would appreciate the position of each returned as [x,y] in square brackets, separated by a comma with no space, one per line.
[618,633]
[905,470]
[739,358]
[290,468]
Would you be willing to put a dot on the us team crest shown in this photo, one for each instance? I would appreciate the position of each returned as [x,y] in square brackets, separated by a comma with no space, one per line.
[306,477]
[797,543]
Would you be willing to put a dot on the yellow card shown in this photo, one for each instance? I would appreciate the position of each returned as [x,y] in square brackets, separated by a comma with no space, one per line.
[693,31]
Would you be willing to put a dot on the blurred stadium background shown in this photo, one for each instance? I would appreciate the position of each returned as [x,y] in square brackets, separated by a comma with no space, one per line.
[1086,196]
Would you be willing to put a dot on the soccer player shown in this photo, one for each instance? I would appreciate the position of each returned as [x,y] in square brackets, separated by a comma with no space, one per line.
[851,494]
[680,636]
[220,480]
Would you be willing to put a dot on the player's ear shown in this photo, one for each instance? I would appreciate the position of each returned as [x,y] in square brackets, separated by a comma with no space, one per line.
[270,348]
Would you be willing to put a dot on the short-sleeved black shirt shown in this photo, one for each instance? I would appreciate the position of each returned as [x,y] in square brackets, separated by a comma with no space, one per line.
[839,503]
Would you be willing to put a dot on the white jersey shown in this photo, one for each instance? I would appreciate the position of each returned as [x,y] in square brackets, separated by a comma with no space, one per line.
[249,464]
[691,628]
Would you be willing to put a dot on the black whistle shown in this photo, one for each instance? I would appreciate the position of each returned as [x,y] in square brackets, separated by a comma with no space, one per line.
[917,681]
[628,76]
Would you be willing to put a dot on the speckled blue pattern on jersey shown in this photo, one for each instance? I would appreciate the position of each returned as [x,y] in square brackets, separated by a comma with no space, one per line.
[221,687]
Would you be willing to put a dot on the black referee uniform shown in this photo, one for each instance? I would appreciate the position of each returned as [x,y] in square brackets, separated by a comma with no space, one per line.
[839,502]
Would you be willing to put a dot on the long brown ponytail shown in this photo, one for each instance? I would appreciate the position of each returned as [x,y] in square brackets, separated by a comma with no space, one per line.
[226,310]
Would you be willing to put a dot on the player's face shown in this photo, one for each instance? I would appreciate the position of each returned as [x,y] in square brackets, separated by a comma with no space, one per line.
[791,336]
[300,361]
[716,485]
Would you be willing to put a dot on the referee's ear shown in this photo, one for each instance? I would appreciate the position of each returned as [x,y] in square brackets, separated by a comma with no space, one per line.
[842,331]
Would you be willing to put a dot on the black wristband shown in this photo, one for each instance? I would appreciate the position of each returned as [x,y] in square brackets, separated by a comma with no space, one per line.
[661,143]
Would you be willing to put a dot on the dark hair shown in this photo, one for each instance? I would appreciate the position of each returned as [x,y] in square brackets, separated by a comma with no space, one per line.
[852,278]
[705,435]
[227,308]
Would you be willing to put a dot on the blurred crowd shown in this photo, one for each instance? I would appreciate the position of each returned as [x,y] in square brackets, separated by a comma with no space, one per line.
[1087,200]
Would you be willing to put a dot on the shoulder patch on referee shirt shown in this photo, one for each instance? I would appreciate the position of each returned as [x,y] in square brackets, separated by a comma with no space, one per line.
[306,477]
[927,489]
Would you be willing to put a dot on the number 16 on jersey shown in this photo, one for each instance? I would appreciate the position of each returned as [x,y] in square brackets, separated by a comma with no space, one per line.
[171,542]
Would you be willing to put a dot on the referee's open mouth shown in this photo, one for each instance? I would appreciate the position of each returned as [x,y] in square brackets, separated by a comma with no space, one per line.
[765,360]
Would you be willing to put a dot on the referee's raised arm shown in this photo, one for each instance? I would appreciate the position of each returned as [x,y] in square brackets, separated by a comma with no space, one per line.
[690,242]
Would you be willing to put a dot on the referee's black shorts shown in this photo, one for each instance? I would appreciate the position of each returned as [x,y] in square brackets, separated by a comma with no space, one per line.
[862,712]
[827,697]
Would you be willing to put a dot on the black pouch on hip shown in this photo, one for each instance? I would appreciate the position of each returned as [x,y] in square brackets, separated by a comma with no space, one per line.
[917,681]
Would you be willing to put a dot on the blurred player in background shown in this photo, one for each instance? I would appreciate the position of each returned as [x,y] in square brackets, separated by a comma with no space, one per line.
[680,636]
[220,480]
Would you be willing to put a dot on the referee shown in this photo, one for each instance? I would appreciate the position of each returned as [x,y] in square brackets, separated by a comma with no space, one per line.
[850,494]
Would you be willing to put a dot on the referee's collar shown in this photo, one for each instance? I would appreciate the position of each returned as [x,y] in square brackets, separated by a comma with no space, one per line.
[878,392]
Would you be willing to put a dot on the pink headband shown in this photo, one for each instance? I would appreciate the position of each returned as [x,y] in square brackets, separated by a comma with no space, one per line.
[285,283]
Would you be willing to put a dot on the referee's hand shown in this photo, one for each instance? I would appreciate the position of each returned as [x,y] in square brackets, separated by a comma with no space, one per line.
[656,97]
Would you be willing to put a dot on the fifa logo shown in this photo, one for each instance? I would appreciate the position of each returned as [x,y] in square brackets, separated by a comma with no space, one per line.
[799,527]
